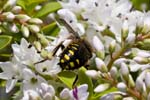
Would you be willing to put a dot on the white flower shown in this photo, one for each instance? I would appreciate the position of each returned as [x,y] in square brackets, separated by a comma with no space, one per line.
[46,91]
[31,95]
[48,67]
[78,93]
[102,87]
[26,55]
[12,72]
[71,20]
[31,81]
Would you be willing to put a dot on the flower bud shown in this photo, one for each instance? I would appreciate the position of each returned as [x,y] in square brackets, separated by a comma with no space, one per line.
[9,4]
[16,9]
[125,30]
[128,98]
[50,55]
[92,73]
[101,87]
[122,87]
[112,46]
[43,40]
[9,16]
[34,28]
[139,84]
[124,71]
[131,82]
[147,81]
[38,7]
[119,61]
[25,31]
[146,25]
[114,72]
[148,97]
[0,30]
[98,45]
[37,45]
[35,21]
[141,60]
[14,28]
[44,53]
[22,17]
[130,39]
[101,65]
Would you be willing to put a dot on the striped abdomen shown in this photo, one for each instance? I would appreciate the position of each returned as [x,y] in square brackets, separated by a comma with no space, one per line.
[74,56]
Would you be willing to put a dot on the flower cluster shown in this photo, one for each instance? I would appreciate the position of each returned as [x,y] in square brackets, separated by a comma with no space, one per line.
[118,69]
[117,33]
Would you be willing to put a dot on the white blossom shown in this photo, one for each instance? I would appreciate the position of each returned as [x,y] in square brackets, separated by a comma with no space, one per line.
[31,81]
[46,91]
[26,55]
[13,75]
[78,93]
[48,67]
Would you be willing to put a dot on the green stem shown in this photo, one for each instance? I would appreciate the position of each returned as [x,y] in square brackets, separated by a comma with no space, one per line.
[115,57]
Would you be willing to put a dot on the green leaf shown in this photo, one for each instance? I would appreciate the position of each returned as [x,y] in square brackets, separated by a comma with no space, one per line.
[5,41]
[22,3]
[84,79]
[48,8]
[67,77]
[137,4]
[51,29]
[2,3]
[29,5]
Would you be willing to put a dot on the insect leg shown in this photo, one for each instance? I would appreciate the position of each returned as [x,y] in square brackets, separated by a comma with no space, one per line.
[75,81]
[59,46]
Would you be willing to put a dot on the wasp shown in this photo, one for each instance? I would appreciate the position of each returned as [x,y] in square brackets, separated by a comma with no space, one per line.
[76,54]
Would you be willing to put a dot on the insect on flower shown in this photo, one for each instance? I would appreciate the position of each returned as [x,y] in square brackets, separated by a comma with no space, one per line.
[76,54]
